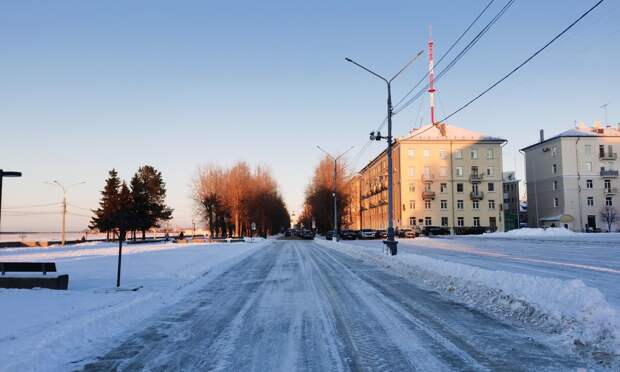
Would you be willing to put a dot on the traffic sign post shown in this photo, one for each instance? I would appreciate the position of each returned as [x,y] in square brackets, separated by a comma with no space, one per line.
[253,228]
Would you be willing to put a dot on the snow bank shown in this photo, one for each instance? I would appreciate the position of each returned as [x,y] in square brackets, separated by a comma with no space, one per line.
[46,330]
[579,315]
[534,232]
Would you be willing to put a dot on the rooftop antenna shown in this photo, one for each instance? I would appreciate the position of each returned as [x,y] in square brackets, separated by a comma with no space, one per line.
[431,74]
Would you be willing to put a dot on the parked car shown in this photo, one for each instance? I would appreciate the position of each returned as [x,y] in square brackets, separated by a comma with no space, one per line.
[381,234]
[348,235]
[406,233]
[307,235]
[367,234]
[435,230]
[288,233]
[330,235]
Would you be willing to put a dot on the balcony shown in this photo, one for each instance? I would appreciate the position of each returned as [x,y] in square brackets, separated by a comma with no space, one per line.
[428,194]
[476,177]
[611,191]
[428,178]
[476,195]
[608,173]
[608,156]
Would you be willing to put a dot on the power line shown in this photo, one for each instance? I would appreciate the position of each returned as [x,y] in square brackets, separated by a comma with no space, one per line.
[524,62]
[447,51]
[32,206]
[458,57]
[78,207]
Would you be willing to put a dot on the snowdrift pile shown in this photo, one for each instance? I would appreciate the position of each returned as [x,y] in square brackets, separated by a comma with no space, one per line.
[534,233]
[577,315]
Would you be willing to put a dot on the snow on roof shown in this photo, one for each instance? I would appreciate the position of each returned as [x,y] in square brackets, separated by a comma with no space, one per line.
[582,131]
[434,132]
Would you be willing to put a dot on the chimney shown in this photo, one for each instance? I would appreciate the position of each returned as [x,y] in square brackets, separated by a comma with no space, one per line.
[542,135]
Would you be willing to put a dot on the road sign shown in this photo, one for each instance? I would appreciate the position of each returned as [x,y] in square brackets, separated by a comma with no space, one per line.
[253,226]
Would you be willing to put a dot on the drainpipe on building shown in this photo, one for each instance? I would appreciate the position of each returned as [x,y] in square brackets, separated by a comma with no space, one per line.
[579,185]
[452,190]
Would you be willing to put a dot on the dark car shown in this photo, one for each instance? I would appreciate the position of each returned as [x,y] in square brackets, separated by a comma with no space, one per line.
[307,234]
[367,234]
[382,234]
[348,235]
[435,230]
[406,233]
[330,235]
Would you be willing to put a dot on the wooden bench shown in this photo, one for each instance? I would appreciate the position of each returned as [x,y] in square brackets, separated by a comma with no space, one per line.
[29,282]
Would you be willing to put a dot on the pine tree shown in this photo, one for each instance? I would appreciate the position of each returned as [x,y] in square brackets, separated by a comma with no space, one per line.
[104,219]
[124,214]
[148,192]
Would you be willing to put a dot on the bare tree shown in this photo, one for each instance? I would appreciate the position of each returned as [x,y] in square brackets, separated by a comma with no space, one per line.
[609,214]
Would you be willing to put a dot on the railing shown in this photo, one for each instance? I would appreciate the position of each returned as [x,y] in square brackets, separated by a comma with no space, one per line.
[428,194]
[476,177]
[611,190]
[476,195]
[428,177]
[609,173]
[608,156]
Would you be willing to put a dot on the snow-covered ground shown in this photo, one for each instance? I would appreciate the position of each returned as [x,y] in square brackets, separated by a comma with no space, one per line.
[48,330]
[564,282]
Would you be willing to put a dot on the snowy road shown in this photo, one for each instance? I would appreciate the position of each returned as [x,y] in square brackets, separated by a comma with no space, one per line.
[296,305]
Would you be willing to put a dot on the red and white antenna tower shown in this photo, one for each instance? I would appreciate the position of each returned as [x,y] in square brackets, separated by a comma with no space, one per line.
[431,75]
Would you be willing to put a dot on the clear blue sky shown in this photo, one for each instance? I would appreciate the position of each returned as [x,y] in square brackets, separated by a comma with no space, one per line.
[87,86]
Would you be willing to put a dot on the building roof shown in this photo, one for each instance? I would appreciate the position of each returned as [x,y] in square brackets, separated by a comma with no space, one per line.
[583,131]
[447,132]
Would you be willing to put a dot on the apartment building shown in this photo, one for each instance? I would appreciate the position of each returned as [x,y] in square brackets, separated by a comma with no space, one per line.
[352,214]
[572,177]
[512,205]
[444,176]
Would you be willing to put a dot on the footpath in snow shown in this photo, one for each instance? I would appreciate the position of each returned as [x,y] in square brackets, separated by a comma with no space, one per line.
[46,330]
[559,283]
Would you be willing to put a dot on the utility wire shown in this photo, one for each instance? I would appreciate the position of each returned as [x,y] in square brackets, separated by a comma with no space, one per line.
[447,51]
[524,62]
[458,57]
[32,206]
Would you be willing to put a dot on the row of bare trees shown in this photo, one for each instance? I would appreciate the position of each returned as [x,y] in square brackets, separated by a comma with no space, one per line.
[319,202]
[231,199]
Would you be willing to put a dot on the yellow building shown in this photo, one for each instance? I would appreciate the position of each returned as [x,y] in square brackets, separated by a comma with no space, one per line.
[444,176]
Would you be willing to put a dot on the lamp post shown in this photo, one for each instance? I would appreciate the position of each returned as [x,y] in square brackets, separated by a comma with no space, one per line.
[64,205]
[2,175]
[335,159]
[390,243]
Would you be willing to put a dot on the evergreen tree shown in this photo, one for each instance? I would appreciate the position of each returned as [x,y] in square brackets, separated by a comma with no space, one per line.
[104,219]
[124,214]
[148,192]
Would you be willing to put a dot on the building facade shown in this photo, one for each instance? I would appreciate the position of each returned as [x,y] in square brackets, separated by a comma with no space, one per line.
[572,178]
[512,205]
[444,176]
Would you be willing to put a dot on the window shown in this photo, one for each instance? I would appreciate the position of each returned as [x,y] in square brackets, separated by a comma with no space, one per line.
[460,221]
[459,171]
[601,150]
[444,221]
[428,221]
[588,165]
[607,185]
[443,154]
[427,171]
[444,204]
[427,204]
[459,187]
[411,187]
[474,188]
[491,204]
[588,149]
[459,204]
[554,168]
[555,185]
[556,202]
[475,205]
[427,186]
[427,153]
[491,186]
[490,171]
[554,151]
[411,204]
[411,221]
[411,172]
[474,154]
[589,201]
[443,187]
[443,171]
[458,154]
[489,153]
[476,221]
[411,153]
[608,201]
[589,184]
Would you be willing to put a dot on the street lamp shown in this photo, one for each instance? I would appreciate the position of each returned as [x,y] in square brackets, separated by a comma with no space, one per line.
[335,159]
[2,175]
[390,243]
[64,205]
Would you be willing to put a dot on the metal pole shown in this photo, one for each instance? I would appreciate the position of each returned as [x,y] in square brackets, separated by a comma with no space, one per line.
[64,219]
[335,201]
[390,229]
[120,254]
